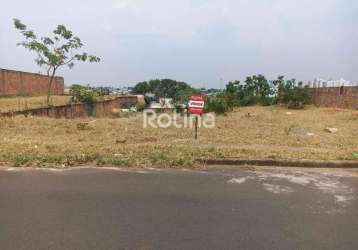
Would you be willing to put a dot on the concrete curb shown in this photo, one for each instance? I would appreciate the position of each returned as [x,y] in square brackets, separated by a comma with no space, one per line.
[282,163]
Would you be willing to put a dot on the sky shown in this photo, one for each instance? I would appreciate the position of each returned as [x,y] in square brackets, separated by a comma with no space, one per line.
[197,41]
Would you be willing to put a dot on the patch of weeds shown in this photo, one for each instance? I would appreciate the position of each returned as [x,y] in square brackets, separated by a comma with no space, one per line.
[51,148]
[355,156]
[213,153]
[83,126]
[121,162]
[44,159]
[83,158]
[291,128]
[21,160]
[115,161]
[180,162]
[52,158]
[102,161]
[296,129]
[159,158]
[211,150]
[351,157]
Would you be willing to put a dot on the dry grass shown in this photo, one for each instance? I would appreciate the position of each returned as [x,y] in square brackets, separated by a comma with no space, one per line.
[29,102]
[124,141]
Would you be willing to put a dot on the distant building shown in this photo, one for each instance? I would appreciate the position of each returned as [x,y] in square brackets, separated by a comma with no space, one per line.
[210,92]
[164,103]
[150,95]
[119,91]
[322,83]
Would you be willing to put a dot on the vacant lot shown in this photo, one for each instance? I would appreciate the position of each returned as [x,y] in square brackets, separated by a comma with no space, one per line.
[252,132]
[22,103]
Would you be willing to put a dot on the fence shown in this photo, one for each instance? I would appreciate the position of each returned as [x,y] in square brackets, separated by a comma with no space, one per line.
[101,108]
[14,83]
[336,97]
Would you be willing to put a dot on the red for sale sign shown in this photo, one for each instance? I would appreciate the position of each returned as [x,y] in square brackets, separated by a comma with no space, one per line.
[196,104]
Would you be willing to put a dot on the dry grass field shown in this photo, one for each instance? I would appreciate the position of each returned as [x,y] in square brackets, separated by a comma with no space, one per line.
[22,103]
[250,132]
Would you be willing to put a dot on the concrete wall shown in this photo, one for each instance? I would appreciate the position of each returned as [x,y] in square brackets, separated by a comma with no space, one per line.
[102,108]
[336,97]
[14,83]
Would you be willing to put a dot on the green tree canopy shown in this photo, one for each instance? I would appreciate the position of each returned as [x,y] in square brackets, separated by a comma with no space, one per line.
[165,88]
[55,51]
[258,90]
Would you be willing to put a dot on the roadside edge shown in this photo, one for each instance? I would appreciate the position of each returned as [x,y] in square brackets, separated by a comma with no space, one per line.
[281,163]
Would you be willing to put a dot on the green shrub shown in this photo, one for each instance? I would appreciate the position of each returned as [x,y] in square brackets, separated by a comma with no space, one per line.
[217,105]
[292,94]
[256,90]
[83,94]
[21,160]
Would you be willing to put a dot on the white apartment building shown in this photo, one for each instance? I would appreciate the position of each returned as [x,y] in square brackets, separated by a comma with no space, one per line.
[322,83]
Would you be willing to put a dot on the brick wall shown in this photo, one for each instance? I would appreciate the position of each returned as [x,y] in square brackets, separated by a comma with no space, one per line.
[14,83]
[335,97]
[102,108]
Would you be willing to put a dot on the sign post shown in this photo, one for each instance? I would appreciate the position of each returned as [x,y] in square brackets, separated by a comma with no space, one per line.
[196,106]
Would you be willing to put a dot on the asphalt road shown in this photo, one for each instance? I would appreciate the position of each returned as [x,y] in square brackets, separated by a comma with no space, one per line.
[216,208]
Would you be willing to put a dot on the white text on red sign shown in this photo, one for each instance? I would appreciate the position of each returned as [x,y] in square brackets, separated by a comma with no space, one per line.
[196,104]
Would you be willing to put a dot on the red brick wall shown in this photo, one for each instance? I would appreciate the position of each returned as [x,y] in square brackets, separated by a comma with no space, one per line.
[335,97]
[103,108]
[14,83]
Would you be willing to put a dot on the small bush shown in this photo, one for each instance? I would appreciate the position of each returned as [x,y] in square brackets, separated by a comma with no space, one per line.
[84,94]
[83,126]
[296,96]
[349,157]
[21,160]
[114,160]
[217,105]
[258,90]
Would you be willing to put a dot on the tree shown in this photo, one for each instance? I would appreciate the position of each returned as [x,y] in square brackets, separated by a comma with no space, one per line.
[54,52]
[295,95]
[259,88]
[181,96]
[233,93]
[216,104]
[278,85]
[141,88]
[165,88]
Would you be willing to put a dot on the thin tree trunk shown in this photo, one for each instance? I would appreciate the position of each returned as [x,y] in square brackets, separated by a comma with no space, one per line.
[50,86]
